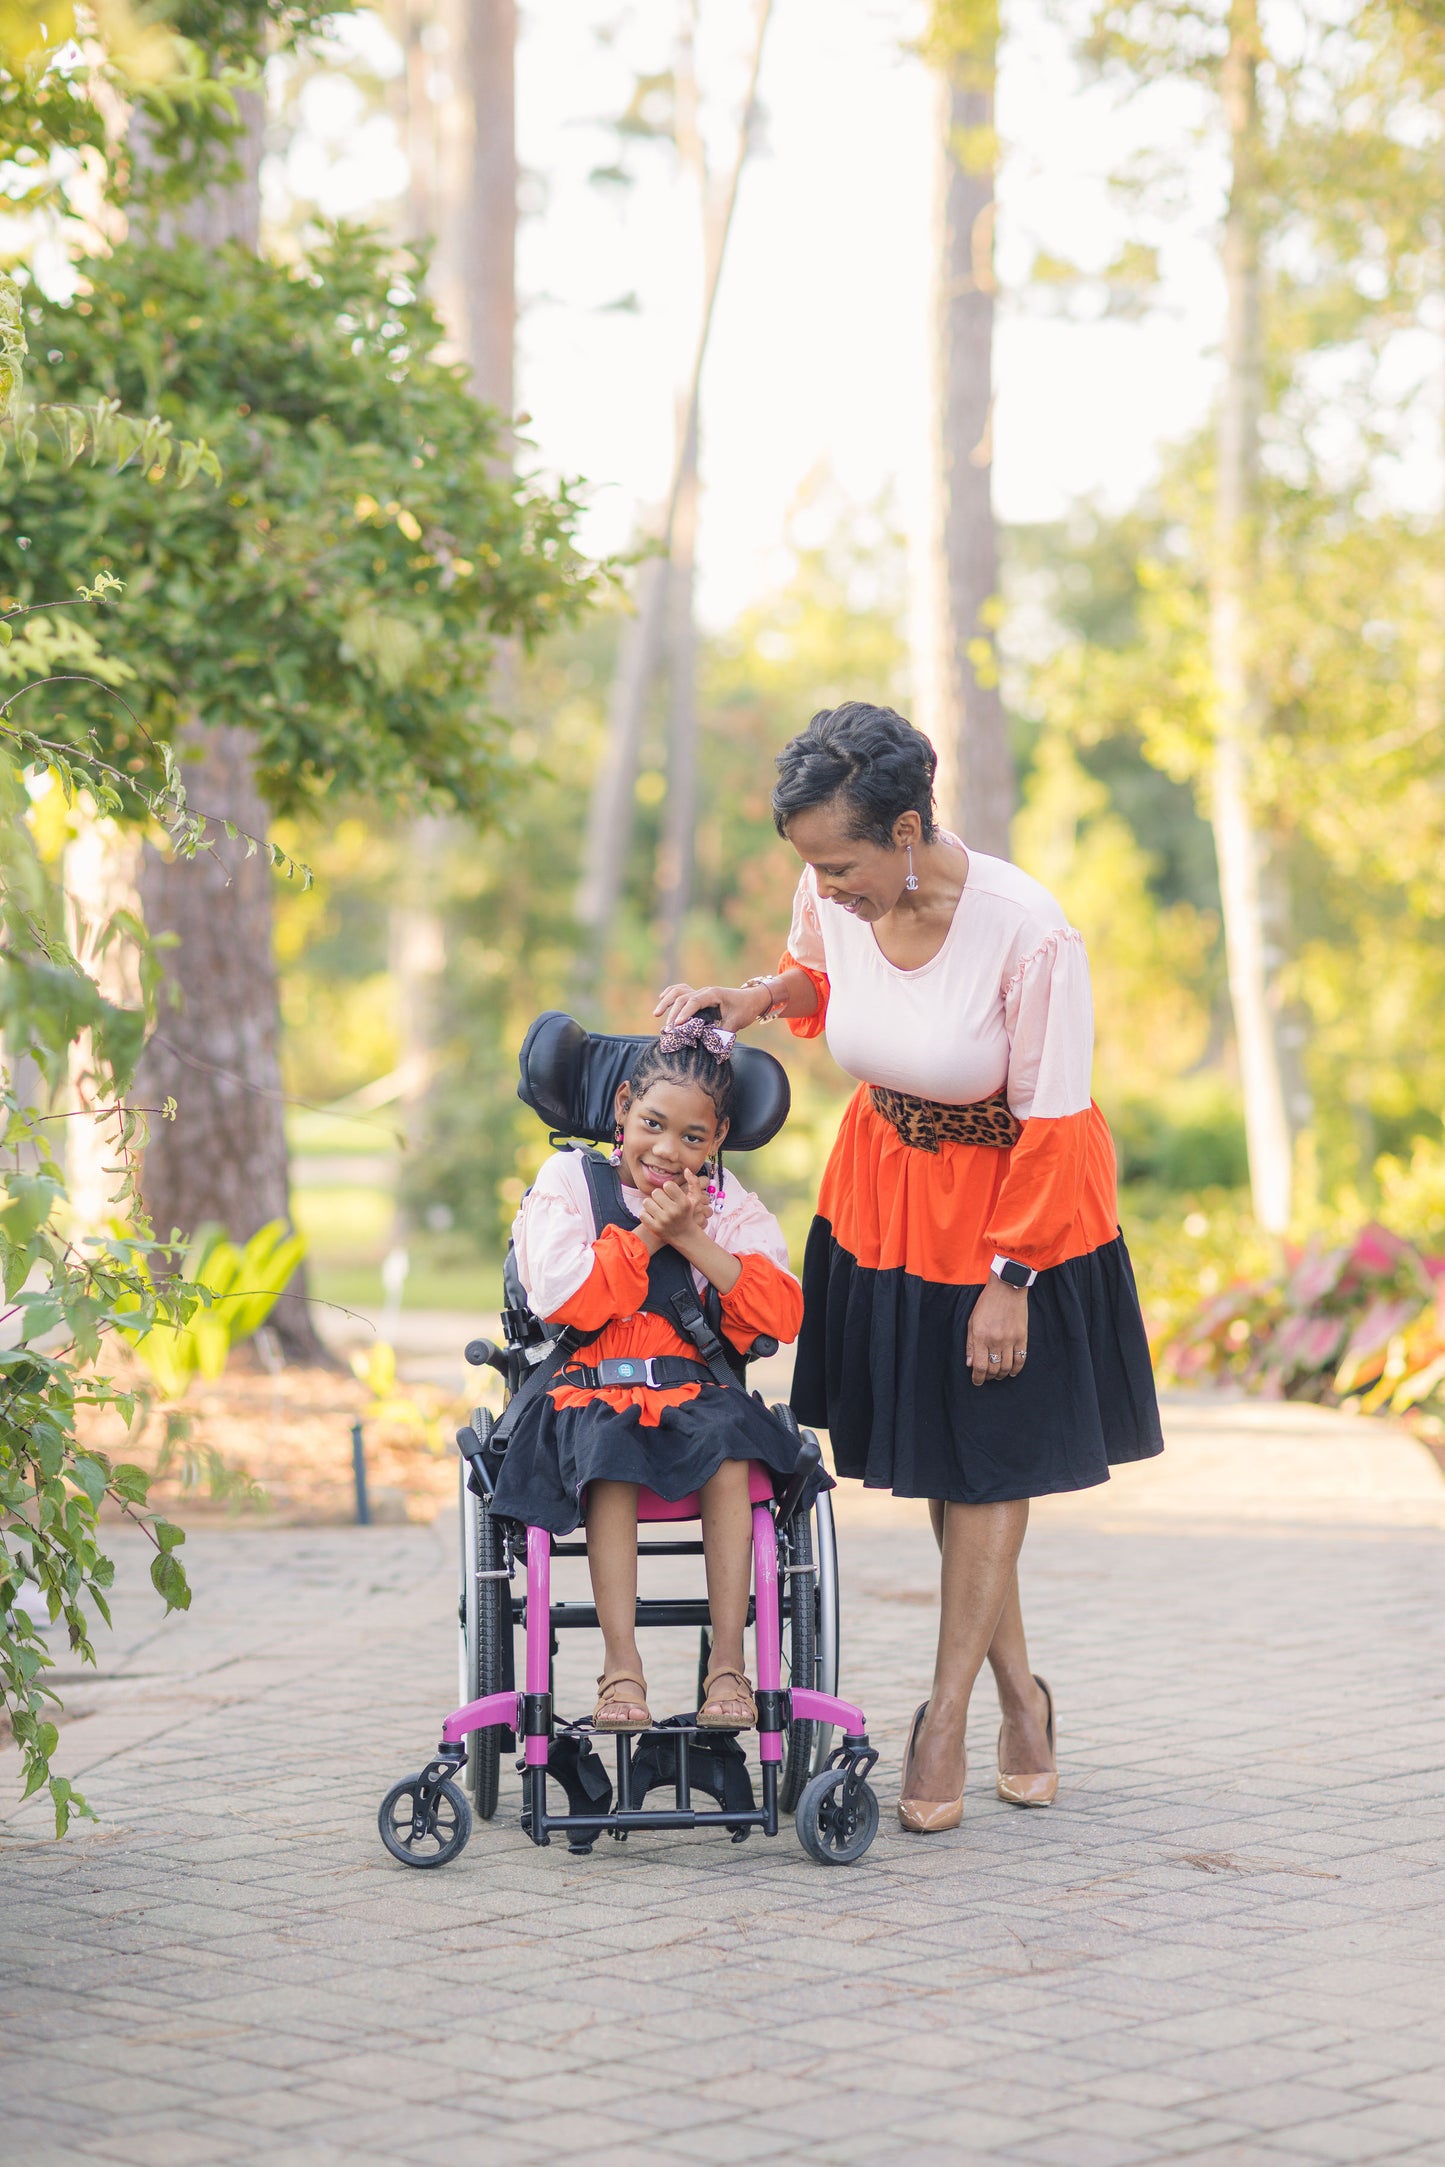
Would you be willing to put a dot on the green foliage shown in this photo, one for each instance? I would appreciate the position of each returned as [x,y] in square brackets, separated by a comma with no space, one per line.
[61,1302]
[341,594]
[166,70]
[238,1286]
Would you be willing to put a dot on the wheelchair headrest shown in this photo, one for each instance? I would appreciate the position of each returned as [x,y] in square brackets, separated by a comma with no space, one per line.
[570,1077]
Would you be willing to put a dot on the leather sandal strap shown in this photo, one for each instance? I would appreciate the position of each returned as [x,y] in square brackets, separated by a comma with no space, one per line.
[620,1677]
[739,1677]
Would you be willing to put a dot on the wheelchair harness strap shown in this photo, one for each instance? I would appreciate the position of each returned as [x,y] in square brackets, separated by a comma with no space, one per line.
[671,1293]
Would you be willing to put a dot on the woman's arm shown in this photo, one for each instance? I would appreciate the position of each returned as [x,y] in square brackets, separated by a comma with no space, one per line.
[787,993]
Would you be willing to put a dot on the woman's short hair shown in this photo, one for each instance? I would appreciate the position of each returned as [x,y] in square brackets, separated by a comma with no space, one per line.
[871,758]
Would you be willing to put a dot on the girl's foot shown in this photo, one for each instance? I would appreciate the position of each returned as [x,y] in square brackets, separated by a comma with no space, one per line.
[727,1703]
[619,1710]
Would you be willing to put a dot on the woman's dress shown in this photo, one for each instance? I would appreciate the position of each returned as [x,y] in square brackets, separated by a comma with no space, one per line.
[905,1237]
[670,1439]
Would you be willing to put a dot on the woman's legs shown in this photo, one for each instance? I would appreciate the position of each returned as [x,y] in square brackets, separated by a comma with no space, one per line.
[727,1544]
[1024,1746]
[612,1563]
[980,1545]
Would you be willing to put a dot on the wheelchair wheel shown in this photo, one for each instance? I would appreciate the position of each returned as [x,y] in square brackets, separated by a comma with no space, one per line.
[424,1837]
[834,1828]
[802,1561]
[485,1613]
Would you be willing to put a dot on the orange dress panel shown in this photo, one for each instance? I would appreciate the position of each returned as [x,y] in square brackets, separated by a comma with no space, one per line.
[945,1216]
[764,1300]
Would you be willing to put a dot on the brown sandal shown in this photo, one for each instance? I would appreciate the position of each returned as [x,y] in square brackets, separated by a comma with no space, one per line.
[618,1712]
[717,1722]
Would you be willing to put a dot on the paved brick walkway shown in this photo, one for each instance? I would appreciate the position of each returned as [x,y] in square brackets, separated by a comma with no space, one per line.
[1226,1943]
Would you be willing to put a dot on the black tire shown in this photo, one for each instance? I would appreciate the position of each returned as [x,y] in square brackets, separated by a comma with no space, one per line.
[798,1572]
[800,1646]
[832,1829]
[432,1838]
[486,1621]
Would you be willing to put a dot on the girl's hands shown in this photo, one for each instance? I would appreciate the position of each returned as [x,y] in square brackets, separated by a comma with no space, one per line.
[676,1210]
[998,1333]
[738,1006]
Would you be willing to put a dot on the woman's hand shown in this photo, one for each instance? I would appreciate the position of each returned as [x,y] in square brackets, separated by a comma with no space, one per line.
[738,1006]
[998,1332]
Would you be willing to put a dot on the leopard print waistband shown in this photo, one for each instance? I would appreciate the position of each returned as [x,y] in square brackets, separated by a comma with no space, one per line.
[925,1124]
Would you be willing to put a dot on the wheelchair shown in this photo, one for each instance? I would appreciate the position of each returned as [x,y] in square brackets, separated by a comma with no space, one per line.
[570,1077]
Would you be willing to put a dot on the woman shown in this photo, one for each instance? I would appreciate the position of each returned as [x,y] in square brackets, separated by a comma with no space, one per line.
[971,1330]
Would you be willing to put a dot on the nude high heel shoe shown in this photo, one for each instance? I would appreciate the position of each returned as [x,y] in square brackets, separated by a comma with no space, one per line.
[1032,1790]
[925,1816]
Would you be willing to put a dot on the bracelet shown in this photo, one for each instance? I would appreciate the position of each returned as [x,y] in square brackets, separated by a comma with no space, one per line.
[775,1007]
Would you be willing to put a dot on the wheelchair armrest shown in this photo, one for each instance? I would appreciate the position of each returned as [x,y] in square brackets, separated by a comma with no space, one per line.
[810,1459]
[762,1347]
[480,1352]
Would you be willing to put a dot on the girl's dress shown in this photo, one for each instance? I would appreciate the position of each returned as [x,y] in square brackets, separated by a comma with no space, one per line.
[907,1230]
[671,1439]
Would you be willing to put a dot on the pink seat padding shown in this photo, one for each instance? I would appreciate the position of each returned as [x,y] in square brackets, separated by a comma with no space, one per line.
[652,1507]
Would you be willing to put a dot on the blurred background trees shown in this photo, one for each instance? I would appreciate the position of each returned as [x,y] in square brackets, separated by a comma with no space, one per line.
[1208,713]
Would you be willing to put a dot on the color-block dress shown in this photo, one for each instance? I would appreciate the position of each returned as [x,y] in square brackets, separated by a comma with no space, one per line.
[907,1231]
[669,1438]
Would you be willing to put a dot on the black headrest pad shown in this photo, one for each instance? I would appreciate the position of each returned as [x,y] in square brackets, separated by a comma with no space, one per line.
[570,1077]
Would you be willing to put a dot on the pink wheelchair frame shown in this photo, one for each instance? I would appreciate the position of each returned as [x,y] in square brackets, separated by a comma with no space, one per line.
[426,1819]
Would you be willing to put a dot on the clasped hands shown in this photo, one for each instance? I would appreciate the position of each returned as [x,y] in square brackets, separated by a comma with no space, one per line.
[679,1210]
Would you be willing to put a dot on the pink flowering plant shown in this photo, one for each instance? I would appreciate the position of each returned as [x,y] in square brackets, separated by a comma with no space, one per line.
[1357,1324]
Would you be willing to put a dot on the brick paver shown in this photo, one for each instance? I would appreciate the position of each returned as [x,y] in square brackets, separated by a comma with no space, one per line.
[1225,1944]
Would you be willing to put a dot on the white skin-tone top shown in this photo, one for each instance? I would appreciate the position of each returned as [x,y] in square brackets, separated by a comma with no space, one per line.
[1005,1000]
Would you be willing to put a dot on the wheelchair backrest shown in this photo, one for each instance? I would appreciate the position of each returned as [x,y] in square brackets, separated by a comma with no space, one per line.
[570,1077]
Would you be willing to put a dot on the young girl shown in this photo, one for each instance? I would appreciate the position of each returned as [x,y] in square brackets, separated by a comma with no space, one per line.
[581,1450]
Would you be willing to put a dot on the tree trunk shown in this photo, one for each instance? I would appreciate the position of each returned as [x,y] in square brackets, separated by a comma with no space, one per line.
[975,757]
[225,1157]
[1250,884]
[215,1051]
[490,238]
[675,860]
[675,866]
[660,600]
[102,867]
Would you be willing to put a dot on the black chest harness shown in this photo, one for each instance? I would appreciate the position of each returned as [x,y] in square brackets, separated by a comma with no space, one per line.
[671,1293]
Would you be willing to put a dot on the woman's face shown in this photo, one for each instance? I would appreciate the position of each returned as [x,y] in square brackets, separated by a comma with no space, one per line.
[667,1130]
[864,878]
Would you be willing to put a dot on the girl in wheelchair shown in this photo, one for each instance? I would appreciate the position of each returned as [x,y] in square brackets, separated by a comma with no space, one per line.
[639,1405]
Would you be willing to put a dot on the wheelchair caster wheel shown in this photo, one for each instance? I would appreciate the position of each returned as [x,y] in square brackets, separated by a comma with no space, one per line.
[424,1830]
[836,1820]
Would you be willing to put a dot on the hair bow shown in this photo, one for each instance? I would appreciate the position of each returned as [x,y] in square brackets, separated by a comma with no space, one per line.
[697,1031]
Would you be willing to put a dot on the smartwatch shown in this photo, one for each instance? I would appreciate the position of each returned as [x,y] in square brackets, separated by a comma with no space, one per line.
[1012,1274]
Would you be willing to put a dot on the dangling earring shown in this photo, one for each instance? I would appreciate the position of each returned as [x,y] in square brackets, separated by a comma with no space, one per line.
[617,1154]
[912,881]
[713,1171]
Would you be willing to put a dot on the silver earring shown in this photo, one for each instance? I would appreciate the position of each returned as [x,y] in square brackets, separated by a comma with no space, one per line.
[912,881]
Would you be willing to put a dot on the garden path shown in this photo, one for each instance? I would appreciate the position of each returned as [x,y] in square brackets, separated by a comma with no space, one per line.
[1225,1944]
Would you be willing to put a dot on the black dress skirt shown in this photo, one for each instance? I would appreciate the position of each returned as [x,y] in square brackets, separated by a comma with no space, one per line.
[554,1452]
[881,1365]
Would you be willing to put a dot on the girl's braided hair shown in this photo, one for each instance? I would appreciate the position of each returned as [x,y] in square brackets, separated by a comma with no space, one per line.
[697,1052]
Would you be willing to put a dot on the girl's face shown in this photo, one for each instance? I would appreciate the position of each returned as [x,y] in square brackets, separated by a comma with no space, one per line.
[668,1130]
[864,878]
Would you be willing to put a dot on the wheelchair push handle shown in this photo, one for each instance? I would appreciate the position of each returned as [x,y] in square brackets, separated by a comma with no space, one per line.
[483,1352]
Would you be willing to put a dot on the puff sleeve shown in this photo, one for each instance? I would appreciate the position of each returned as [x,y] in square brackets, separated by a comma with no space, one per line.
[1049,1019]
[805,952]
